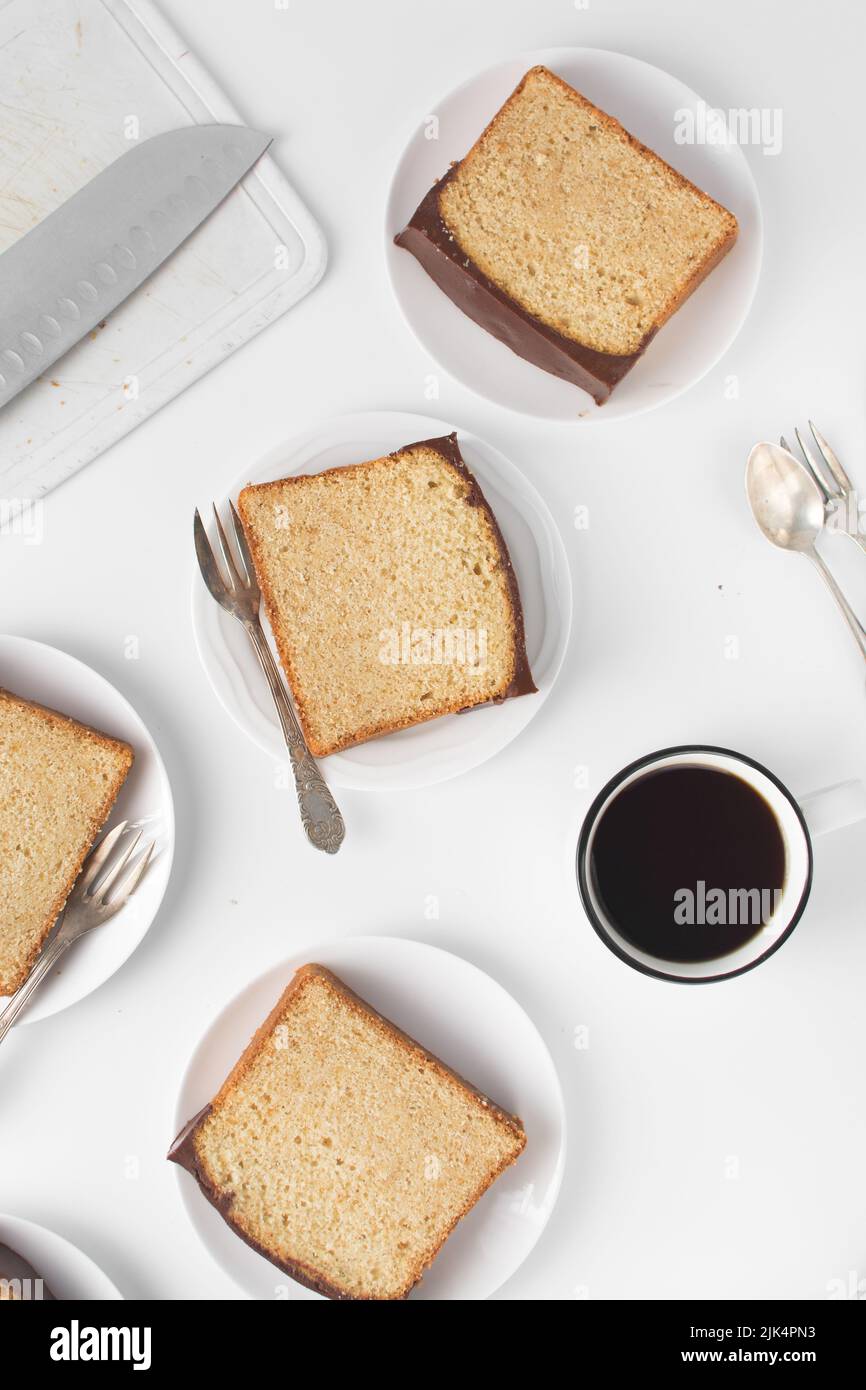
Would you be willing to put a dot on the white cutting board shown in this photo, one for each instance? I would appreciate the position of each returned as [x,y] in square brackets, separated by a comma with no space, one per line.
[81,80]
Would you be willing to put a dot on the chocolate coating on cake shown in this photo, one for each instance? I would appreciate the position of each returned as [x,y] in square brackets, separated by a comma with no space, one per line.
[428,239]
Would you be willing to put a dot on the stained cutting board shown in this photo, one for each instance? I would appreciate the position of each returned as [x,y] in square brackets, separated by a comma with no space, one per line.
[81,80]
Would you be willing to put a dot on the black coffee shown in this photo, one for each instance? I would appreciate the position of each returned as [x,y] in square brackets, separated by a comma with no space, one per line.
[687,863]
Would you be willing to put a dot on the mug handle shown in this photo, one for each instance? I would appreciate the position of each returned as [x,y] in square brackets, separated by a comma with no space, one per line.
[832,808]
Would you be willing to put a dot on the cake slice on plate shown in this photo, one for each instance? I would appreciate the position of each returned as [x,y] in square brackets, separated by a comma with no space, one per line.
[58,782]
[341,1149]
[390,593]
[566,238]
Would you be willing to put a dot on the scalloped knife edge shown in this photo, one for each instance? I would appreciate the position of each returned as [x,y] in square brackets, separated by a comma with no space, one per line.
[60,280]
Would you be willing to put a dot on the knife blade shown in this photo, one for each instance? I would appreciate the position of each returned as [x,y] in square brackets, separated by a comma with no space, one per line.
[58,281]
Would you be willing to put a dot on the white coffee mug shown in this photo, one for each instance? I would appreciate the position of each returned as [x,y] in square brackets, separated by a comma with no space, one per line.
[813,815]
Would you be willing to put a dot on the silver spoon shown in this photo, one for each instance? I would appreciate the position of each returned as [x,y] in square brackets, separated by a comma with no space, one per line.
[789,509]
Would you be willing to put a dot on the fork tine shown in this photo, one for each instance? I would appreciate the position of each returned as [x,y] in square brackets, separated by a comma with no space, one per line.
[207,562]
[831,460]
[117,867]
[235,581]
[817,473]
[813,464]
[793,452]
[96,860]
[816,477]
[128,885]
[243,548]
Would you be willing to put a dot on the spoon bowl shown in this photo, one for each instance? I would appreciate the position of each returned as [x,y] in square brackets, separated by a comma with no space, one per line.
[784,498]
[789,509]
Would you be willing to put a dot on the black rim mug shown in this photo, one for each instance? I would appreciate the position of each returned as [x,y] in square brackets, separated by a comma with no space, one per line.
[826,810]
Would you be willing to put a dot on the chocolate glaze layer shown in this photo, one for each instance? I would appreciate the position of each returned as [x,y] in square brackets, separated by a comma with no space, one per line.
[428,239]
[14,1266]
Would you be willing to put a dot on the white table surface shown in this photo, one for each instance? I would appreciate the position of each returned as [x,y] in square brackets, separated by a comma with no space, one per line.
[679,1087]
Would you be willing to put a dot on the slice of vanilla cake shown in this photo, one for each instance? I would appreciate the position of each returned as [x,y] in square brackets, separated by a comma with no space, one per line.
[58,781]
[390,593]
[565,237]
[341,1149]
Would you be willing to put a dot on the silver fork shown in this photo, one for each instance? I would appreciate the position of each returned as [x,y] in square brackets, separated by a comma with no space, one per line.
[89,905]
[834,485]
[240,596]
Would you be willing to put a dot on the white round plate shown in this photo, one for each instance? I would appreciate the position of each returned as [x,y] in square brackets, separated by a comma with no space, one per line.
[441,748]
[53,678]
[69,1273]
[645,99]
[472,1024]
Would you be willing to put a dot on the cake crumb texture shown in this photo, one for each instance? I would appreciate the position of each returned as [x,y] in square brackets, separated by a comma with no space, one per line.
[591,233]
[358,564]
[58,782]
[342,1150]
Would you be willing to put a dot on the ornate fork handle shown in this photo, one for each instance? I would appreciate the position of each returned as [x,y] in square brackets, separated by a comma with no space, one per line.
[320,815]
[47,960]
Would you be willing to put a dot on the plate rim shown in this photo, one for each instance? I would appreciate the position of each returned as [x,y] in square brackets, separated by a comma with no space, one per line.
[342,775]
[33,1014]
[188,1192]
[67,1247]
[590,412]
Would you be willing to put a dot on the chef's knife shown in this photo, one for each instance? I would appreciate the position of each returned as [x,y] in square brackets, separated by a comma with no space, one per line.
[61,279]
